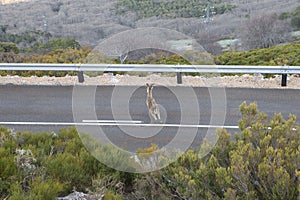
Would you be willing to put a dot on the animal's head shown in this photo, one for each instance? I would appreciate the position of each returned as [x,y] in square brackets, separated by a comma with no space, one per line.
[149,87]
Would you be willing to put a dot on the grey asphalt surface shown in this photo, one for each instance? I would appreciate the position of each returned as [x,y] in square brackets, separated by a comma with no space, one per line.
[54,104]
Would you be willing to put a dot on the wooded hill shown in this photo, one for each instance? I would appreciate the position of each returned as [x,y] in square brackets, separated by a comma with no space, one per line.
[92,21]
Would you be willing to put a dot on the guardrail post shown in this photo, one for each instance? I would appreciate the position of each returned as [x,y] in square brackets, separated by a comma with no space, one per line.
[284,77]
[179,78]
[80,76]
[283,80]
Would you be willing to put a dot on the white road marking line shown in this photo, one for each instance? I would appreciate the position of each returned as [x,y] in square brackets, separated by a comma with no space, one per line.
[111,121]
[116,124]
[39,123]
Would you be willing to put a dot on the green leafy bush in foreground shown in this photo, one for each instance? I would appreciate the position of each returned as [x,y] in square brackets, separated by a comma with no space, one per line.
[262,162]
[46,165]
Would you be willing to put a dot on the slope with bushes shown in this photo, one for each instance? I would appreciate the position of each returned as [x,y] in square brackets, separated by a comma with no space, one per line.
[262,162]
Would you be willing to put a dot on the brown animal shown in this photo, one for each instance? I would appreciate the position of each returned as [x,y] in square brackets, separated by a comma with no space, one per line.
[151,103]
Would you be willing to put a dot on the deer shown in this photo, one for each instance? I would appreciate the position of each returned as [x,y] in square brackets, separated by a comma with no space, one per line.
[151,103]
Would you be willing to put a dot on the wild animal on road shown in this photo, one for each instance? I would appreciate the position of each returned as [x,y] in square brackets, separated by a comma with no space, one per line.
[151,103]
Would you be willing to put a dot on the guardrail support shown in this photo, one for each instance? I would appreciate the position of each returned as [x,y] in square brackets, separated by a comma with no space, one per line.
[179,78]
[283,80]
[80,76]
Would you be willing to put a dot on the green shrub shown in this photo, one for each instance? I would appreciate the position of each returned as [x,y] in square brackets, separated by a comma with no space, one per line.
[109,195]
[260,163]
[288,54]
[9,47]
[46,189]
[296,21]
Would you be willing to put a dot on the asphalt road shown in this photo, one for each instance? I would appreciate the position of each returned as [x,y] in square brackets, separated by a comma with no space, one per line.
[179,106]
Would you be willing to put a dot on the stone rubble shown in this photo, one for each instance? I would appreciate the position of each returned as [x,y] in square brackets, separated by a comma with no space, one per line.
[79,196]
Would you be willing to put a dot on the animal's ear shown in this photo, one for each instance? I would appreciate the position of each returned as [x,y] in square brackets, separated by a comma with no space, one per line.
[147,84]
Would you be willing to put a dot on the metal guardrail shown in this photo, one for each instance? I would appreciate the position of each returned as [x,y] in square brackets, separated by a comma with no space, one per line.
[80,68]
[152,68]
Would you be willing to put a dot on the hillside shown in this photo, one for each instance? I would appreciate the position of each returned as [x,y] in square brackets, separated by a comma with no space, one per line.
[89,22]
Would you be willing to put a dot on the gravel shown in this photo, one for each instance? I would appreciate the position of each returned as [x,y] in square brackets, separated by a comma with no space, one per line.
[248,81]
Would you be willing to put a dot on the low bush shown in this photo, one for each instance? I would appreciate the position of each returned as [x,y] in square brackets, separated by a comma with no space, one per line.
[288,54]
[262,162]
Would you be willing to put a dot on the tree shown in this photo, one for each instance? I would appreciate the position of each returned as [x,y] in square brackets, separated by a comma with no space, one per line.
[264,31]
[208,40]
[295,17]
[3,28]
[9,47]
[296,21]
